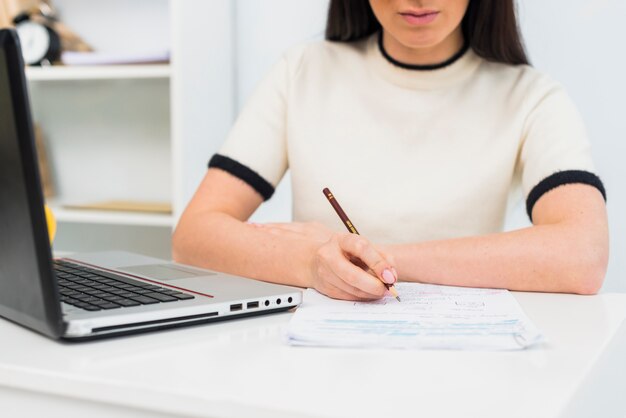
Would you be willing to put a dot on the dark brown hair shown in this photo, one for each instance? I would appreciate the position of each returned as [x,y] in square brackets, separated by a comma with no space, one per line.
[489,27]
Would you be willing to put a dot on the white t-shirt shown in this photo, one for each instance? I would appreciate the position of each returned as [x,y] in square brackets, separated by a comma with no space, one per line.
[411,155]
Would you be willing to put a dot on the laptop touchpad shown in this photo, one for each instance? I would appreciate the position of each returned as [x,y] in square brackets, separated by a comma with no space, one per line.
[166,271]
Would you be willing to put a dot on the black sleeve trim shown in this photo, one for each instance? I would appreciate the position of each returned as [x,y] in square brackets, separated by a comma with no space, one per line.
[249,176]
[559,179]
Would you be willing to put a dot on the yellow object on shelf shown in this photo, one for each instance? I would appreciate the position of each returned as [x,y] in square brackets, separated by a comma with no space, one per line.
[52,223]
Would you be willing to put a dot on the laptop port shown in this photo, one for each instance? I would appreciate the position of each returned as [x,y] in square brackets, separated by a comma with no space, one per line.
[236,307]
[252,305]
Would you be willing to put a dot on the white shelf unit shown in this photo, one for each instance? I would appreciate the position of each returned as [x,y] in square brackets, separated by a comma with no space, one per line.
[135,132]
[104,72]
[112,217]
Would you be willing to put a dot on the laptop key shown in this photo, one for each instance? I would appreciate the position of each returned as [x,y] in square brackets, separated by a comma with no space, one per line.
[97,293]
[183,296]
[88,307]
[144,300]
[87,274]
[99,286]
[150,286]
[161,297]
[109,305]
[127,303]
[169,291]
[143,291]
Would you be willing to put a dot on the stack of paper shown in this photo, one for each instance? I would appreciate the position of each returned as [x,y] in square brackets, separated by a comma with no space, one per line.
[429,317]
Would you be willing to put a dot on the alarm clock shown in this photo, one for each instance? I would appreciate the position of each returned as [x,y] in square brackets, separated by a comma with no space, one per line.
[41,44]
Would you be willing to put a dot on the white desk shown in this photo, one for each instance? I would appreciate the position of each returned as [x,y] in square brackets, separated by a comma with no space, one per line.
[242,368]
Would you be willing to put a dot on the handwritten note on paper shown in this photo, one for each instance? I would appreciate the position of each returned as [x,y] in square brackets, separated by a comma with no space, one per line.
[429,317]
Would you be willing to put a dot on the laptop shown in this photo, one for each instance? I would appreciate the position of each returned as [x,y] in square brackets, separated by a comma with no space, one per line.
[101,294]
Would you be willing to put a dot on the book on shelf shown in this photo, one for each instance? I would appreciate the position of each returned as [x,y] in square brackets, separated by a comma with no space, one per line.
[123,206]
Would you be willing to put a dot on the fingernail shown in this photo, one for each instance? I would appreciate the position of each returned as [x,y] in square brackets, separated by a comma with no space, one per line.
[395,273]
[388,276]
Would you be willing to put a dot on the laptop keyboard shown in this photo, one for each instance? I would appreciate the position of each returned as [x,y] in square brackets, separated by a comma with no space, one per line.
[95,290]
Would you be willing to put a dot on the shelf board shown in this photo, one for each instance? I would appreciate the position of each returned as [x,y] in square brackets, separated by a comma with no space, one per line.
[101,72]
[111,217]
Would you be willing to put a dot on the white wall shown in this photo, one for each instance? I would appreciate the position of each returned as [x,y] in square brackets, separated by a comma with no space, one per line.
[264,30]
[579,43]
[575,41]
[108,28]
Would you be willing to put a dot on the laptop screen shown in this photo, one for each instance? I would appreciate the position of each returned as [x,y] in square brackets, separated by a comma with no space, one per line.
[27,288]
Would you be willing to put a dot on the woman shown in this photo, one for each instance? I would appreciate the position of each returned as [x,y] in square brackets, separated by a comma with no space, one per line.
[421,117]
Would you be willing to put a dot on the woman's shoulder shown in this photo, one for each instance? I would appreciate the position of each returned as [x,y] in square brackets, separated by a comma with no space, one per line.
[324,54]
[523,81]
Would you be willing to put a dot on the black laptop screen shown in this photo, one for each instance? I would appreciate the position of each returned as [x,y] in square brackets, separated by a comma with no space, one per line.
[26,285]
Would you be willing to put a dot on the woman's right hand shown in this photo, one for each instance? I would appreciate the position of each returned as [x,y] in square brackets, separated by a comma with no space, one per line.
[339,268]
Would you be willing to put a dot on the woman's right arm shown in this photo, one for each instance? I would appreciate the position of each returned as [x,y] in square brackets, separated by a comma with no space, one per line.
[212,233]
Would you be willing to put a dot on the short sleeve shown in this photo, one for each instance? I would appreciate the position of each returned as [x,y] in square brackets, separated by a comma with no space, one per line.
[555,149]
[255,150]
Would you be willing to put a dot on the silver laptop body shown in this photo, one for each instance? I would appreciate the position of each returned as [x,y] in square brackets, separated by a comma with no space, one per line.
[153,293]
[216,296]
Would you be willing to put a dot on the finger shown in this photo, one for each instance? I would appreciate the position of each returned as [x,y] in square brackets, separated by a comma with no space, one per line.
[387,255]
[360,247]
[327,276]
[335,292]
[391,259]
[356,293]
[368,285]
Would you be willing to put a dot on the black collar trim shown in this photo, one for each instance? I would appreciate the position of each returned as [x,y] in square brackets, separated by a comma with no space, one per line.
[428,67]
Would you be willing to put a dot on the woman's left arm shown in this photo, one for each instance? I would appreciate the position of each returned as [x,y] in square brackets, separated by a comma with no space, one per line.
[566,250]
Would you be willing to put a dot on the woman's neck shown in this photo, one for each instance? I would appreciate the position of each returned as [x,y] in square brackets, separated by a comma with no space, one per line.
[423,56]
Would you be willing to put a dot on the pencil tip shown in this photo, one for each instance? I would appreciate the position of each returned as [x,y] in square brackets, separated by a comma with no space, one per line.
[398,297]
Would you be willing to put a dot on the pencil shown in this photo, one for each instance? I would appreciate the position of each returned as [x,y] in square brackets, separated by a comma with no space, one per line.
[348,223]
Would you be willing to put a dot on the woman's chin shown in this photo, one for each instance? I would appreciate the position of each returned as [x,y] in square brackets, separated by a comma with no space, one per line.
[420,42]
